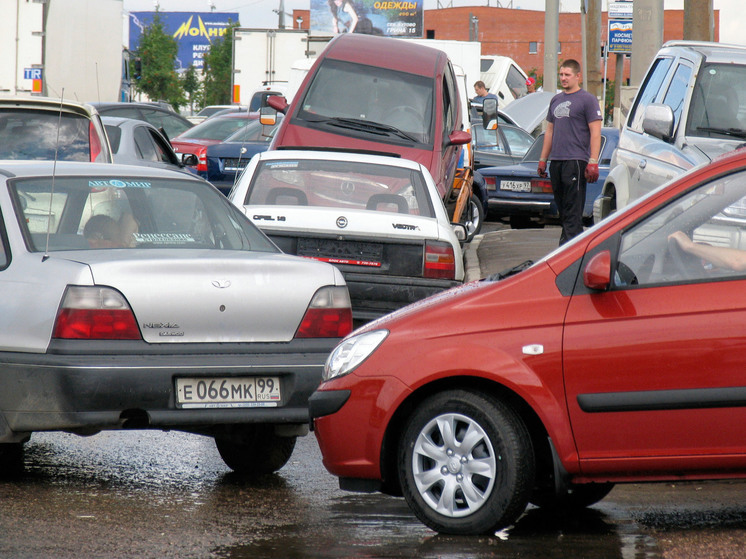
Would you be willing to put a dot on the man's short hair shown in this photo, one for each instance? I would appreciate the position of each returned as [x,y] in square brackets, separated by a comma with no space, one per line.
[479,83]
[573,64]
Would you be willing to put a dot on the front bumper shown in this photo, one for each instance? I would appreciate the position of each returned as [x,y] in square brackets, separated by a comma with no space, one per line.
[373,296]
[89,392]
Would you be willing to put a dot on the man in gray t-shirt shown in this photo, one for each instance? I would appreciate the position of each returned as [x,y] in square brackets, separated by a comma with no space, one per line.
[572,142]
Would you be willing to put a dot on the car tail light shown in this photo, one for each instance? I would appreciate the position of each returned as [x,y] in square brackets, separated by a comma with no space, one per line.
[543,186]
[95,141]
[202,159]
[490,183]
[95,313]
[328,316]
[440,261]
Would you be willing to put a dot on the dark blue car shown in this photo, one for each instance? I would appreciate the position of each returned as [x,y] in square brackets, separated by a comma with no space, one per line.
[227,159]
[517,191]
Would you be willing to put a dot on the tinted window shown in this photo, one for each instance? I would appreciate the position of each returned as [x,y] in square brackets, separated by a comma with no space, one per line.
[115,136]
[718,107]
[4,251]
[516,82]
[649,92]
[144,144]
[677,91]
[33,134]
[369,93]
[339,184]
[90,212]
[172,124]
[217,128]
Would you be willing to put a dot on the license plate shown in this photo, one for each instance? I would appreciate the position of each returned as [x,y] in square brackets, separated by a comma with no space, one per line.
[356,253]
[516,186]
[228,392]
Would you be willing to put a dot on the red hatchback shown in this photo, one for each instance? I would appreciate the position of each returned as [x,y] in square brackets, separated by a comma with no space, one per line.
[617,358]
[379,95]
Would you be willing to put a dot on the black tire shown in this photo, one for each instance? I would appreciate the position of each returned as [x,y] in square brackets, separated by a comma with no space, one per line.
[11,460]
[258,451]
[577,497]
[474,217]
[439,474]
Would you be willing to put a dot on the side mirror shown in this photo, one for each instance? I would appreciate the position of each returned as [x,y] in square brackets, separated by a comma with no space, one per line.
[189,160]
[459,138]
[460,230]
[489,113]
[278,103]
[658,121]
[597,273]
[267,116]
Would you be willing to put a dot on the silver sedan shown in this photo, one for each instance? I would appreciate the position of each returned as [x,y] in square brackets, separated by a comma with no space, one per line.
[141,298]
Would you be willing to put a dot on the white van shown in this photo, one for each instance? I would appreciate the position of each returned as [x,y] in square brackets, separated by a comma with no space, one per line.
[503,77]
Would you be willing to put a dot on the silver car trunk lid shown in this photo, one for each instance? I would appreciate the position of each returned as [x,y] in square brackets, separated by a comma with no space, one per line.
[195,296]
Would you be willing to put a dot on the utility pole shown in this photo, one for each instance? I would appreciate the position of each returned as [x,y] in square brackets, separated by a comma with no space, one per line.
[551,44]
[647,21]
[699,20]
[591,68]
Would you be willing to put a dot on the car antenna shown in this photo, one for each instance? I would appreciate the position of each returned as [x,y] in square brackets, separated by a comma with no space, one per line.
[54,174]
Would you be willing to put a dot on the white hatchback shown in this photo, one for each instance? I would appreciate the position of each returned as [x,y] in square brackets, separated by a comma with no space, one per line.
[379,219]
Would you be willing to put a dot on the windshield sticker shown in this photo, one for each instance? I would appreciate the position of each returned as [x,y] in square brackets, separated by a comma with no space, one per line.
[282,164]
[165,238]
[116,183]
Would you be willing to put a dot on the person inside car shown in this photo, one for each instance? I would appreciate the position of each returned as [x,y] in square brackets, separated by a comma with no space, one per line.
[720,257]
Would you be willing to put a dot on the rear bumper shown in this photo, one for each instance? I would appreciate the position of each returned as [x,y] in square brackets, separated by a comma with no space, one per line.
[374,296]
[89,393]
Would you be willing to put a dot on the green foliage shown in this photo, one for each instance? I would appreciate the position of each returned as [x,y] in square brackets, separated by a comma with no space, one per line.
[192,87]
[157,53]
[218,69]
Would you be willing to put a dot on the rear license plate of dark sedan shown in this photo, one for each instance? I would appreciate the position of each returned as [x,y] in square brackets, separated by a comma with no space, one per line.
[355,253]
[228,392]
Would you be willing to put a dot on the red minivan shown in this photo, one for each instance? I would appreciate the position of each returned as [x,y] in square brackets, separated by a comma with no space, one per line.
[379,95]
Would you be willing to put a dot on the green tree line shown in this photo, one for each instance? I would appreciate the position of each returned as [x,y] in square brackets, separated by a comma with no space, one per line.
[155,71]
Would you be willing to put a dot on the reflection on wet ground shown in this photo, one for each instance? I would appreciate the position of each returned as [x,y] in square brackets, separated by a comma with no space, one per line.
[142,494]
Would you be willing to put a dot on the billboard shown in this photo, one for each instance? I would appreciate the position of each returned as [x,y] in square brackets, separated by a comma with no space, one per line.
[373,17]
[620,36]
[193,31]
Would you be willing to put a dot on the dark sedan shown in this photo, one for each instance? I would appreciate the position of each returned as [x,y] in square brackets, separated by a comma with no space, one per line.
[517,191]
[505,145]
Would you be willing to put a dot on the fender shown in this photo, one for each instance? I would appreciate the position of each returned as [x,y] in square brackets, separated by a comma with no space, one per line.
[616,186]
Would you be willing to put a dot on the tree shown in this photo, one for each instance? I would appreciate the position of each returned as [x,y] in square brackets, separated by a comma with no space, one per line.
[191,85]
[218,69]
[157,53]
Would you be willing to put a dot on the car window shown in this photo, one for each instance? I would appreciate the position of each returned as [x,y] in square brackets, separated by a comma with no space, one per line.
[516,82]
[34,134]
[163,150]
[677,90]
[449,100]
[339,184]
[518,142]
[254,131]
[144,143]
[173,125]
[216,128]
[534,152]
[130,212]
[4,250]
[487,139]
[718,107]
[354,91]
[712,216]
[649,92]
[115,136]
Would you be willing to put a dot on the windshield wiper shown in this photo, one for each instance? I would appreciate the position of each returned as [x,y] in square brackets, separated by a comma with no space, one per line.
[737,132]
[366,126]
[510,271]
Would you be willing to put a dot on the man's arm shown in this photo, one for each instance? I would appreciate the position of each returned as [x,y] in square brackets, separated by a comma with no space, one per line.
[546,149]
[595,129]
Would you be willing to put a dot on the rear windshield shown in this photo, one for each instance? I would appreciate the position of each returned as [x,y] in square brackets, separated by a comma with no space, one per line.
[33,134]
[339,184]
[216,128]
[93,212]
[371,94]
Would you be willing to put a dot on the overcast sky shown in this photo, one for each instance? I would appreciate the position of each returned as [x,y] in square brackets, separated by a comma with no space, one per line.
[262,13]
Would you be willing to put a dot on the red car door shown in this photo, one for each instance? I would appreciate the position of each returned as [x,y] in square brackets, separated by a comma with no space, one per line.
[655,367]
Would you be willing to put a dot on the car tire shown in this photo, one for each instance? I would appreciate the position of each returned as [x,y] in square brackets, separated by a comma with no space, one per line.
[469,489]
[258,451]
[577,497]
[474,218]
[11,459]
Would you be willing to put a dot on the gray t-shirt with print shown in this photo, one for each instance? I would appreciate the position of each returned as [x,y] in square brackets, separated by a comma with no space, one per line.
[570,114]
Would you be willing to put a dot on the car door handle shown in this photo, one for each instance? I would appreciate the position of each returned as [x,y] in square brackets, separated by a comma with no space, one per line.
[643,164]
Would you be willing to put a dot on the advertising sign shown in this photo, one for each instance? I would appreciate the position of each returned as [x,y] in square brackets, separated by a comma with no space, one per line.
[620,36]
[620,10]
[194,32]
[373,17]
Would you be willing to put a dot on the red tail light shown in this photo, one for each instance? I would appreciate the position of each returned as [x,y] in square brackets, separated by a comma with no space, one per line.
[440,261]
[95,141]
[202,159]
[543,186]
[490,183]
[95,313]
[328,316]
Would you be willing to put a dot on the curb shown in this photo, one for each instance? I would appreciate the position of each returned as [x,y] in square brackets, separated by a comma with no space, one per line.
[472,271]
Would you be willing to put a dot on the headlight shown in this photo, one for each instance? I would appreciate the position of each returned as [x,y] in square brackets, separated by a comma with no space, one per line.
[348,355]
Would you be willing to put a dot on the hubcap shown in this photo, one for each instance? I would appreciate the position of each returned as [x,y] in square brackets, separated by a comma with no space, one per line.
[454,465]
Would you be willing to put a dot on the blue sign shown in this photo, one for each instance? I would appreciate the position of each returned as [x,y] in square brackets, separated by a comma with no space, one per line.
[620,36]
[32,73]
[194,32]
